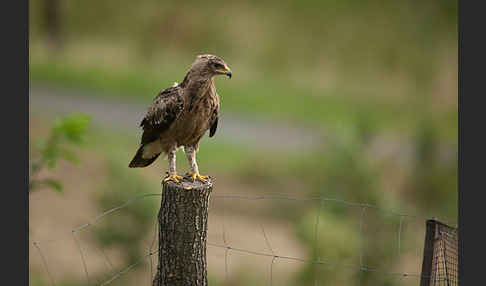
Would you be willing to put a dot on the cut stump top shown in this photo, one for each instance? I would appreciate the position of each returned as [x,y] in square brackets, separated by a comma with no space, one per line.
[188,184]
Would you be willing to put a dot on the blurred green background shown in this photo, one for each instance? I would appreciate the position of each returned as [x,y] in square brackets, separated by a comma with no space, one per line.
[365,93]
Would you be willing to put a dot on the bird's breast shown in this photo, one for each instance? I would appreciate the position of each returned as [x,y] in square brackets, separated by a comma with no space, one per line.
[194,121]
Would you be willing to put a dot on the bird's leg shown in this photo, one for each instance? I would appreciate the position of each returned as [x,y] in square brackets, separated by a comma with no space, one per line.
[172,167]
[191,157]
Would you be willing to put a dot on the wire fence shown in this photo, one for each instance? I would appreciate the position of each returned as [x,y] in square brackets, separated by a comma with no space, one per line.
[440,255]
[444,261]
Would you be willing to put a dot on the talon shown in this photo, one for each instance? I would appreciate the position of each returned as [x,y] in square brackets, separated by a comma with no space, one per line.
[173,177]
[198,176]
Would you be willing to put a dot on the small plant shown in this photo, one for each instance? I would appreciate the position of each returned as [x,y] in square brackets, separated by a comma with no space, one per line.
[67,131]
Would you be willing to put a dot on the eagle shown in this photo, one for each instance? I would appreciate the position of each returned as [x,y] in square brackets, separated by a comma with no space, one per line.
[180,115]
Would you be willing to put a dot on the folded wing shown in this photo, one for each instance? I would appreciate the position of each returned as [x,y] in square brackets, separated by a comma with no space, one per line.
[161,114]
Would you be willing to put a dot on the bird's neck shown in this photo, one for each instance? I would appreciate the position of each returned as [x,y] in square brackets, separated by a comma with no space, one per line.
[197,86]
[196,78]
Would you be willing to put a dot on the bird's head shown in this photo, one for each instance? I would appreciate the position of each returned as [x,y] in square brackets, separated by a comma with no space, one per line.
[209,65]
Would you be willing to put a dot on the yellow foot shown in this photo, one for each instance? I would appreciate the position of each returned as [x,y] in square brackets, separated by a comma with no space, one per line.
[173,177]
[195,176]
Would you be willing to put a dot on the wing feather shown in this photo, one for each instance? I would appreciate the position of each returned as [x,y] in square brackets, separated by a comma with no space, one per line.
[163,111]
[213,122]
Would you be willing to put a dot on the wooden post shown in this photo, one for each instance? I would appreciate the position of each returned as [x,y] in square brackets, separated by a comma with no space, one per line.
[183,224]
[428,257]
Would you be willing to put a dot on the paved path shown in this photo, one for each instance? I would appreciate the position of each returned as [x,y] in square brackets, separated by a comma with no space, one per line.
[125,116]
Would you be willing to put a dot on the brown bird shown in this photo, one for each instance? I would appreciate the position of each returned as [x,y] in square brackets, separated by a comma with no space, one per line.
[180,115]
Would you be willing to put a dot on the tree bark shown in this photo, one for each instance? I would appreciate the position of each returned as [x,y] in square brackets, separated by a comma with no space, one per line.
[183,223]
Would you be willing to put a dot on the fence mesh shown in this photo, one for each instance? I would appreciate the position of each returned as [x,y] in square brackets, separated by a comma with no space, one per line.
[440,255]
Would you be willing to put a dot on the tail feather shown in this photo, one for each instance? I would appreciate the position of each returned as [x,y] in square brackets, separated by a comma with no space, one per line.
[139,162]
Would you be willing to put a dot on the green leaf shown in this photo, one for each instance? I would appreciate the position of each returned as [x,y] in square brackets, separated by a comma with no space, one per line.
[53,184]
[73,127]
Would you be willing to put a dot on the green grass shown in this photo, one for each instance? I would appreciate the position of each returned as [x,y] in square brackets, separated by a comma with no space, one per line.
[325,63]
[338,108]
[340,168]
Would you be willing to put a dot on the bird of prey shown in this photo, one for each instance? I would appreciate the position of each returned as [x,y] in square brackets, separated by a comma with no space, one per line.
[180,115]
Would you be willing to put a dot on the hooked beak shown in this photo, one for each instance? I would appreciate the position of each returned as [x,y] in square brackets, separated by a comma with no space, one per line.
[226,71]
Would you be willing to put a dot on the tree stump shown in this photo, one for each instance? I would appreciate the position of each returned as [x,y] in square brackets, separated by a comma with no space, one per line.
[183,224]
